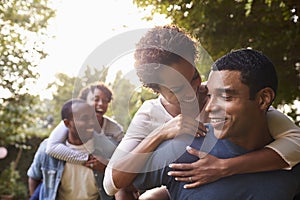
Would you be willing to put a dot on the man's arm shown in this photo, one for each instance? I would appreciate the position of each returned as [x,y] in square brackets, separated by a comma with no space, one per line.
[34,172]
[32,185]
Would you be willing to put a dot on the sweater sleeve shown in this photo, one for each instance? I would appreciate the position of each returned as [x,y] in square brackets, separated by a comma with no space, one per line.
[139,128]
[108,183]
[286,135]
[56,146]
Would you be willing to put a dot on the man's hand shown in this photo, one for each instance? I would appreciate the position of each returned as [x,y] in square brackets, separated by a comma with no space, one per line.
[207,169]
[128,193]
[160,193]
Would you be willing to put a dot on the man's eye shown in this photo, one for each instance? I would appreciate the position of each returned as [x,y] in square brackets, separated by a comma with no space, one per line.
[226,97]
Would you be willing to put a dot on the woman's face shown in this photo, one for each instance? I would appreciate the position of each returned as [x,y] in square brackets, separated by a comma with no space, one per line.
[179,82]
[99,100]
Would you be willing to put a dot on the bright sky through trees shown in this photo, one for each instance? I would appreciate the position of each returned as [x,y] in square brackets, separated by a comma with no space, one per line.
[82,25]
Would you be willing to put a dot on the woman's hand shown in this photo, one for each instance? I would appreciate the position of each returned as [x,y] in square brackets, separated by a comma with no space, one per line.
[207,169]
[181,125]
[96,163]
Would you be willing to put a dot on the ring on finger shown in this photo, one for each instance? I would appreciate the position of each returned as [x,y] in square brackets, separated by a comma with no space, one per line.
[91,165]
[190,179]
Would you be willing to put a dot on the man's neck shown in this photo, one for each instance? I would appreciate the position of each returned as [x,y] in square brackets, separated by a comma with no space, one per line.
[256,138]
[74,140]
[100,122]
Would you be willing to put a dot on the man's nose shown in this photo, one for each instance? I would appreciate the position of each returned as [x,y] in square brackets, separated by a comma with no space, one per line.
[212,104]
[100,102]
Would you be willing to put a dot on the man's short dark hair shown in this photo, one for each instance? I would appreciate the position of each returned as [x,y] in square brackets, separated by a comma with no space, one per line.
[257,71]
[66,111]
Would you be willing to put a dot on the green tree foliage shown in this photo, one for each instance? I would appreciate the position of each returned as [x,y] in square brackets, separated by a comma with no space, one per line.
[10,183]
[122,91]
[138,97]
[62,88]
[271,26]
[23,26]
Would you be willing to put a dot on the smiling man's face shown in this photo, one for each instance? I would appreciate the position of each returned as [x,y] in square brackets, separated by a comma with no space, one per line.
[230,108]
[83,121]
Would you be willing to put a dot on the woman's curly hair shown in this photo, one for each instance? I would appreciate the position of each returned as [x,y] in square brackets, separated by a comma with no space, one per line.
[162,45]
[83,94]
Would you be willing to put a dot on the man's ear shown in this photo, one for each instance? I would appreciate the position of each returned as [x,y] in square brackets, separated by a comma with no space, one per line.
[265,98]
[67,122]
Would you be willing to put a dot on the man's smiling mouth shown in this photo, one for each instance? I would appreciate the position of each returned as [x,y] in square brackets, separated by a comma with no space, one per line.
[217,122]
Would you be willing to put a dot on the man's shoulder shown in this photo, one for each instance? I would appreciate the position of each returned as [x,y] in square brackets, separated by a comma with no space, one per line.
[43,146]
[42,153]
